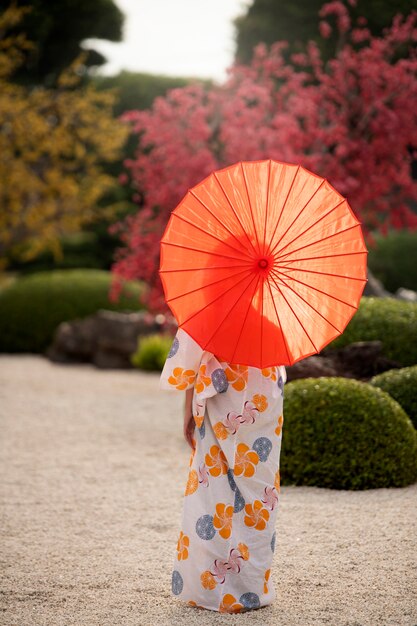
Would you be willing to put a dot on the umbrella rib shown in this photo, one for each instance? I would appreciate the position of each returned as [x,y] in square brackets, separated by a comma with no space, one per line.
[282,209]
[311,307]
[215,282]
[233,209]
[250,206]
[309,227]
[295,314]
[328,256]
[278,266]
[183,247]
[195,269]
[315,289]
[279,321]
[339,232]
[227,313]
[206,232]
[296,218]
[211,302]
[244,321]
[215,216]
[267,204]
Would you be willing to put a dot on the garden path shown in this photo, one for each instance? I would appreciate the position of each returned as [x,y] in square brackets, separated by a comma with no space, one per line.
[93,468]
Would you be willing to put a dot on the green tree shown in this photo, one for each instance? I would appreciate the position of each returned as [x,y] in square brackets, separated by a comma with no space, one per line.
[268,21]
[58,28]
[137,90]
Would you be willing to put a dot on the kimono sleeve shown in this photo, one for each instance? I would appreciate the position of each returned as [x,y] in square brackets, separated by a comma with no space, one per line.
[182,364]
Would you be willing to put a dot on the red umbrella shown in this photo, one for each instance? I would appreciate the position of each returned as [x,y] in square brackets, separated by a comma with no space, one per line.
[263,263]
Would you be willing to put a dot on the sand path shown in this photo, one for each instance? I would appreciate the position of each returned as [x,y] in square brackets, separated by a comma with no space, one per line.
[93,468]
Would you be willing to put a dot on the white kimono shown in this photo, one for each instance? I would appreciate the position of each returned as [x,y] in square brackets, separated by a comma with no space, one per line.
[227,537]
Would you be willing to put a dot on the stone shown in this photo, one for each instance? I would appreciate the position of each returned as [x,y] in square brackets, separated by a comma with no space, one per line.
[107,339]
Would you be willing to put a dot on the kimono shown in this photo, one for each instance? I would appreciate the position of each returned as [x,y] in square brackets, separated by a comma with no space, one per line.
[227,538]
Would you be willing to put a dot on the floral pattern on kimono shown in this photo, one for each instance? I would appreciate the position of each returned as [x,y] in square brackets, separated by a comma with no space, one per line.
[227,538]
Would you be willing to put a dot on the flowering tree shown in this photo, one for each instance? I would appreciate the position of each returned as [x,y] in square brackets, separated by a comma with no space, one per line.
[351,120]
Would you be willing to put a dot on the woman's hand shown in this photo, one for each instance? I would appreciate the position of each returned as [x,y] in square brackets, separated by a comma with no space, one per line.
[189,423]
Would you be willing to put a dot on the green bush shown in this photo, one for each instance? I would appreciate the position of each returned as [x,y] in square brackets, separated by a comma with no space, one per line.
[394,260]
[32,307]
[345,434]
[394,322]
[152,352]
[402,386]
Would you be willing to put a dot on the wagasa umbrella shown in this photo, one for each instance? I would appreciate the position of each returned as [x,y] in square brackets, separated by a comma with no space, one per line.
[263,263]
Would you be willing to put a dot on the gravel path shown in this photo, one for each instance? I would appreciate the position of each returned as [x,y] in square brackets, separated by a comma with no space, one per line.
[93,469]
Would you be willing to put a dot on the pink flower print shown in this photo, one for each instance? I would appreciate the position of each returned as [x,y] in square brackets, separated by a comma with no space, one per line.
[219,570]
[203,475]
[249,413]
[232,422]
[233,562]
[270,497]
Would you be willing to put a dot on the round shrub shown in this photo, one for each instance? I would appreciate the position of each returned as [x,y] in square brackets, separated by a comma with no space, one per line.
[394,322]
[152,352]
[345,434]
[402,386]
[394,260]
[32,307]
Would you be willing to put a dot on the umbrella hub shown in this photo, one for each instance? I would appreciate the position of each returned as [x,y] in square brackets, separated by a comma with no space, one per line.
[264,264]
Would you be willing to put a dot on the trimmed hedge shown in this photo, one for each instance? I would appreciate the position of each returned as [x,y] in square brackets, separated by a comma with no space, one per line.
[393,260]
[32,307]
[394,322]
[152,352]
[345,434]
[402,386]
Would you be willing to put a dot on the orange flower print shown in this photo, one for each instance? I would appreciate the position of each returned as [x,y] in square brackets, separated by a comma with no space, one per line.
[207,580]
[181,378]
[216,461]
[229,604]
[267,575]
[245,460]
[237,375]
[198,420]
[260,401]
[244,551]
[280,423]
[222,520]
[277,481]
[191,457]
[220,430]
[192,483]
[202,381]
[256,515]
[270,372]
[192,603]
[182,547]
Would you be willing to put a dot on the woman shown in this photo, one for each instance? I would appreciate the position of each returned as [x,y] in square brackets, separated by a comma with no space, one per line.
[227,538]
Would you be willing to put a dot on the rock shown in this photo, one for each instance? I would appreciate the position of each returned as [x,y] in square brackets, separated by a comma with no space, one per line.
[312,366]
[360,360]
[406,294]
[107,338]
[374,287]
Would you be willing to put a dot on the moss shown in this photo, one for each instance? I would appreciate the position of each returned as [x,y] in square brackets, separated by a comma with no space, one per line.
[32,307]
[402,386]
[345,434]
[394,322]
[152,352]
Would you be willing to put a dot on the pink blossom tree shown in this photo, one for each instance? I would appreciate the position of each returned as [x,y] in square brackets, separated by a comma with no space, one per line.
[352,120]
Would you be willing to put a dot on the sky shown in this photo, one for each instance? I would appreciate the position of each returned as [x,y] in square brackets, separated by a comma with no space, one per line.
[174,37]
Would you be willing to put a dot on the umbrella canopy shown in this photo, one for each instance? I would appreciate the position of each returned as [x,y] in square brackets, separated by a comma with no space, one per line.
[263,263]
